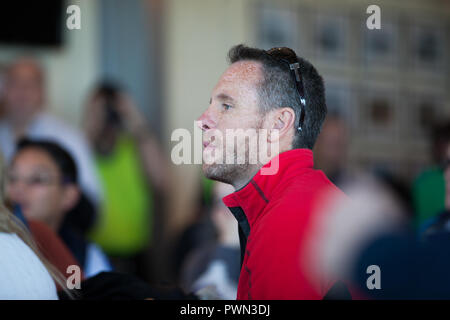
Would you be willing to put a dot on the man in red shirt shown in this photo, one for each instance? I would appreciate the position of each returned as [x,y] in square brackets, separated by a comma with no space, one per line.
[281,95]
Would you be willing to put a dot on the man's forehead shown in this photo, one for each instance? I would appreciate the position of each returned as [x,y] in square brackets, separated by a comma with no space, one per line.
[239,78]
[243,71]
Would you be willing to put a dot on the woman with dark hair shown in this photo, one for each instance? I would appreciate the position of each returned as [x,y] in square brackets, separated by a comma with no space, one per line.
[43,183]
[24,272]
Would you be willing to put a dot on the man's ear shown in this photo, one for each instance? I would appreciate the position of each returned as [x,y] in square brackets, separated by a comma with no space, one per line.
[283,121]
[70,197]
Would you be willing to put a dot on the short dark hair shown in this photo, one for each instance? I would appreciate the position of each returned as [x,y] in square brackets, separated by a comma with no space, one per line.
[61,157]
[278,89]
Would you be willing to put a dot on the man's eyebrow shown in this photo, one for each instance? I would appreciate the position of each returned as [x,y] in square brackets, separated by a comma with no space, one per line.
[225,97]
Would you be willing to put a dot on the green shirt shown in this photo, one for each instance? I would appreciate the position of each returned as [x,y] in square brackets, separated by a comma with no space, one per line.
[428,195]
[125,223]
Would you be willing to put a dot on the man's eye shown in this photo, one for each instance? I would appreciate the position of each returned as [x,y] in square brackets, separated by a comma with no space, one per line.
[226,106]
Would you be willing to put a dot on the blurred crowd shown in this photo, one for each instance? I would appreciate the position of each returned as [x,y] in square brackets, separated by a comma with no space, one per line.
[93,196]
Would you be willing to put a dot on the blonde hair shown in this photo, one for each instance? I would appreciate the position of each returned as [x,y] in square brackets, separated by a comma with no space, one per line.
[11,224]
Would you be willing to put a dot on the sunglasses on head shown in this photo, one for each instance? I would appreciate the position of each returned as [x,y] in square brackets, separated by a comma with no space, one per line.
[289,58]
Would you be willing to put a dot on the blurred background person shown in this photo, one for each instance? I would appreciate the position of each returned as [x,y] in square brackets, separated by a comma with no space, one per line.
[133,173]
[441,222]
[198,231]
[214,263]
[331,149]
[332,157]
[24,272]
[348,225]
[43,182]
[25,115]
[429,186]
[369,229]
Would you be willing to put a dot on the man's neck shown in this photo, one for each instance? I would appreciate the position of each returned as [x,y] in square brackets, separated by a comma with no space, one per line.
[253,170]
[242,182]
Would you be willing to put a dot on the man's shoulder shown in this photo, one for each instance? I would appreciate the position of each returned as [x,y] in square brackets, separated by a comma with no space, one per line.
[305,186]
[300,198]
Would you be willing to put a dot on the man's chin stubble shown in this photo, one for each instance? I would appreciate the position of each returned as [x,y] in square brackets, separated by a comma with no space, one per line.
[226,173]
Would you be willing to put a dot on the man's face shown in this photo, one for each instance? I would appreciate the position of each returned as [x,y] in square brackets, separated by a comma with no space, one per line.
[233,105]
[23,89]
[35,183]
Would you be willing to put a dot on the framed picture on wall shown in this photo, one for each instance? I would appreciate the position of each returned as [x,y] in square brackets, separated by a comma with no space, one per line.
[381,46]
[277,25]
[428,45]
[379,113]
[420,111]
[340,101]
[330,37]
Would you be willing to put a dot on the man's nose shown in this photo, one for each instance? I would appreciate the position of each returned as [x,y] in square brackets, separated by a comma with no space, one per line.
[205,121]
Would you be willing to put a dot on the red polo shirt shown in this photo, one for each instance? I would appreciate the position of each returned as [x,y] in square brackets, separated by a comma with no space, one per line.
[275,214]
